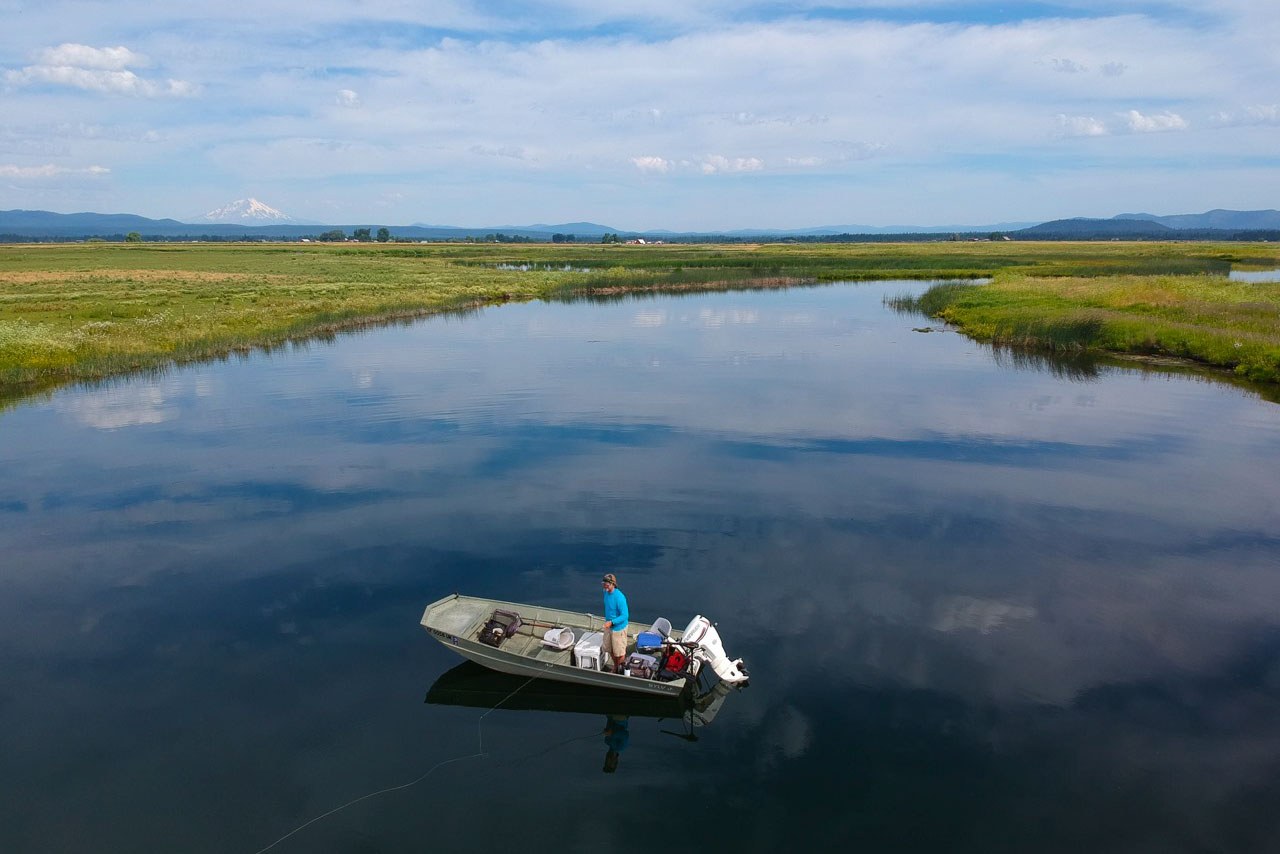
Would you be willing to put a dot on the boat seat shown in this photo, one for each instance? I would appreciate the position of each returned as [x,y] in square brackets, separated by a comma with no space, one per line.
[662,626]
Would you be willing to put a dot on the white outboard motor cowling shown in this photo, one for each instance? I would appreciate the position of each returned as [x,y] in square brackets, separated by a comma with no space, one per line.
[711,651]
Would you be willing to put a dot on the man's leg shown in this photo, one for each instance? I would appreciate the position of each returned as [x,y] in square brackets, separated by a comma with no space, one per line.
[618,649]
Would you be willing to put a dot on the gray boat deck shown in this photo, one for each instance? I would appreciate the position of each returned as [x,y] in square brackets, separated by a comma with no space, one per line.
[464,617]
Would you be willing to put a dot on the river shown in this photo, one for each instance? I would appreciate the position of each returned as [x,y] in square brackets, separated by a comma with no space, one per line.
[988,603]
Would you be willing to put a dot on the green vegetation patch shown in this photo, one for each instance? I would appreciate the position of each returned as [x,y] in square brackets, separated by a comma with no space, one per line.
[1207,319]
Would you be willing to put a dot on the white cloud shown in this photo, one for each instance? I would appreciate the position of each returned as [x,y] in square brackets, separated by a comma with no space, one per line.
[715,318]
[649,319]
[1258,114]
[1080,126]
[805,162]
[347,98]
[96,70]
[1263,114]
[714,163]
[84,56]
[126,405]
[1139,123]
[652,164]
[48,171]
[97,80]
[956,613]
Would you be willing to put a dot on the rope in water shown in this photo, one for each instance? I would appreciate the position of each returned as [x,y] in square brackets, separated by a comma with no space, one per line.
[479,752]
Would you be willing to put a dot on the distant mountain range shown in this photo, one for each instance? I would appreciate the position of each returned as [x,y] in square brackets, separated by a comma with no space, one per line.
[251,219]
[46,225]
[1239,220]
[1219,224]
[878,229]
[1092,229]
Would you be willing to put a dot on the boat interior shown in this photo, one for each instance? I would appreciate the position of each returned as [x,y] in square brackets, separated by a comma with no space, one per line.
[468,618]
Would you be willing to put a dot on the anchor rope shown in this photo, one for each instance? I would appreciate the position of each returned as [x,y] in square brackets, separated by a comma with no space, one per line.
[479,753]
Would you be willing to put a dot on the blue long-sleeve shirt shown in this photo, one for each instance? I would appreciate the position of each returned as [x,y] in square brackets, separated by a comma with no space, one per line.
[615,609]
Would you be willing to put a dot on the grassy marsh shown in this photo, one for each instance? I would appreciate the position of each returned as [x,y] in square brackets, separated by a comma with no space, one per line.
[1207,319]
[79,312]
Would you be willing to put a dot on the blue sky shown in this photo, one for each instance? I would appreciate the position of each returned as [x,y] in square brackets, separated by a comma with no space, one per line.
[682,115]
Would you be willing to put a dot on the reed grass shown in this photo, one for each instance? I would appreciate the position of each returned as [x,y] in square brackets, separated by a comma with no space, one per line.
[1204,318]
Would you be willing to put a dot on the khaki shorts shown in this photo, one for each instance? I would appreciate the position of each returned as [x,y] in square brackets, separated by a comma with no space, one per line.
[615,644]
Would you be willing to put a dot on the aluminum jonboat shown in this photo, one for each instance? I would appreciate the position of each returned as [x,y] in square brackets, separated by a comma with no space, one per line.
[550,643]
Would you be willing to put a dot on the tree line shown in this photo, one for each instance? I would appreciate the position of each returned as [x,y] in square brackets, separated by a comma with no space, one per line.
[361,235]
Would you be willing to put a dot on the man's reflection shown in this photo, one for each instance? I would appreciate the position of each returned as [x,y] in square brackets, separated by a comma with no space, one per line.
[616,736]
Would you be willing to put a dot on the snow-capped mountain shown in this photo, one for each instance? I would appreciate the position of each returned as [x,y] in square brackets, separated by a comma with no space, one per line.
[247,211]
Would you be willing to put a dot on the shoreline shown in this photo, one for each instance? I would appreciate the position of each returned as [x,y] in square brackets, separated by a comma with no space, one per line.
[88,313]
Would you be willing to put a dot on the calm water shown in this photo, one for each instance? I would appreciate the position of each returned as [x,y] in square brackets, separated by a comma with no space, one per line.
[988,604]
[1254,275]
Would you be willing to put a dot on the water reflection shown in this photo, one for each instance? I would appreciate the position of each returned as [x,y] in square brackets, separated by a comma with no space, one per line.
[1239,275]
[526,267]
[1073,367]
[470,685]
[617,734]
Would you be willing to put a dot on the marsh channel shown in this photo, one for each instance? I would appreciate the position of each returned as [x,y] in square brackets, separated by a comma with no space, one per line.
[989,602]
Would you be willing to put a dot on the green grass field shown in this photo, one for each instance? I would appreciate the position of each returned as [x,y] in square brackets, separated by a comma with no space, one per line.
[83,311]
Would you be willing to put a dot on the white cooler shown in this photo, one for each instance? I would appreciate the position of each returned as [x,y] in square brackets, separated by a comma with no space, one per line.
[586,653]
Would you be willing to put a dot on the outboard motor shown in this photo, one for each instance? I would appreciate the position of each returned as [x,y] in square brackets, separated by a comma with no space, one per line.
[710,650]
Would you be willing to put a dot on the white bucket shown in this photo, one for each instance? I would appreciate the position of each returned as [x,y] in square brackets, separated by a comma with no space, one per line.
[560,638]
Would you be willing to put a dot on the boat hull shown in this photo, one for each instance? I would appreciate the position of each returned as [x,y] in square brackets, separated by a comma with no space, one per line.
[470,684]
[455,620]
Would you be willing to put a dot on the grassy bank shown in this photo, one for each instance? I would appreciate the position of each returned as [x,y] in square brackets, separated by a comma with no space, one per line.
[1207,319]
[73,312]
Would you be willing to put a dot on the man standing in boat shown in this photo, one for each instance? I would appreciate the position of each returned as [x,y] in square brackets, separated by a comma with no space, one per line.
[615,626]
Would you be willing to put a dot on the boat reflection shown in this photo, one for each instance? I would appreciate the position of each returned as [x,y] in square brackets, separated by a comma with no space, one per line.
[478,687]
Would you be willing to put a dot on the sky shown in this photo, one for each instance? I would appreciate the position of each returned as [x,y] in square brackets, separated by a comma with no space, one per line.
[672,114]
